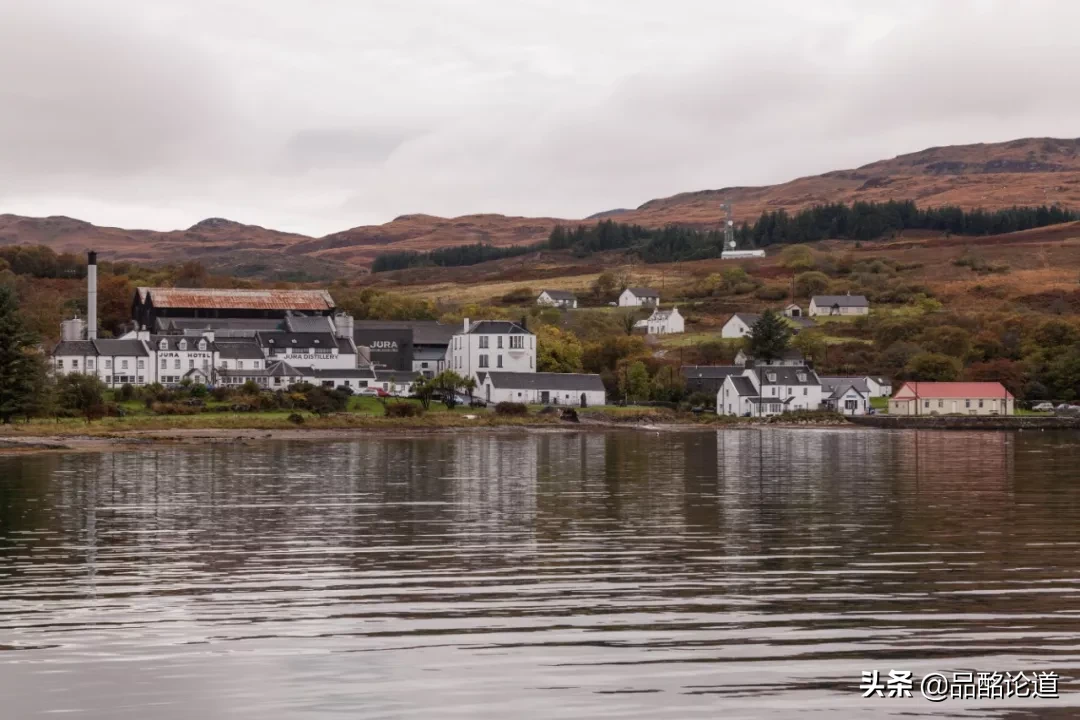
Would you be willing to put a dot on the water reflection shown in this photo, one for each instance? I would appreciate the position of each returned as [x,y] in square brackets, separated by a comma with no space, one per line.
[592,574]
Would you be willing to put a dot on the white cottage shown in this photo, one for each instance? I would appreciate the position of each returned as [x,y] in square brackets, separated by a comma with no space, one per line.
[639,297]
[665,322]
[839,305]
[321,350]
[573,389]
[557,298]
[739,325]
[846,395]
[487,345]
[769,390]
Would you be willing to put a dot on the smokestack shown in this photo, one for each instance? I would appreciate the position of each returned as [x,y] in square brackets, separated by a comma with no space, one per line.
[91,295]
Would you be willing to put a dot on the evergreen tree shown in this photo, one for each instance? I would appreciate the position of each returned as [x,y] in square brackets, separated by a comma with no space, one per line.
[17,364]
[769,336]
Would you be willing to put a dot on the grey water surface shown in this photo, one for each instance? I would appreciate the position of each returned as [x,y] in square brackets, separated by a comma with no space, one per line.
[596,574]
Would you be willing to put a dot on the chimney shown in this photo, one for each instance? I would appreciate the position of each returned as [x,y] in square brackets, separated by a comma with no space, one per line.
[465,325]
[91,295]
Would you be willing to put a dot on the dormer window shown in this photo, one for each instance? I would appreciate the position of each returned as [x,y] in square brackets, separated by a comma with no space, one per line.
[802,377]
[771,377]
[202,344]
[182,345]
[163,345]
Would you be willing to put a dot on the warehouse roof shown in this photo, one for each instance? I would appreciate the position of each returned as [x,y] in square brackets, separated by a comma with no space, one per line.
[233,299]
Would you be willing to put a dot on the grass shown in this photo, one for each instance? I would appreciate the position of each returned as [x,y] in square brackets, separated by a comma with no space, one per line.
[879,403]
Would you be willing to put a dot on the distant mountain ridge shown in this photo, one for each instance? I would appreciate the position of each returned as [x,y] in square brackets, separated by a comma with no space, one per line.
[1031,171]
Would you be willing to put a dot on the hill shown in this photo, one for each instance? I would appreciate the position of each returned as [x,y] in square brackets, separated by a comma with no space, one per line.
[1034,171]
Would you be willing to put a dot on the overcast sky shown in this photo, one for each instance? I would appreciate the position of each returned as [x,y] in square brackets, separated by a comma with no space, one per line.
[320,115]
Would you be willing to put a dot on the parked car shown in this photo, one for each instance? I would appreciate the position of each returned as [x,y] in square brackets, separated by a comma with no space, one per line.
[1043,407]
[372,392]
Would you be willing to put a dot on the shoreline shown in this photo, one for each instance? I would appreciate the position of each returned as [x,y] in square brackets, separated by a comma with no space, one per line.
[127,435]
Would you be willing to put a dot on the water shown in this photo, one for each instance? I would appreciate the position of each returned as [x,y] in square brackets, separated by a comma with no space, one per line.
[750,573]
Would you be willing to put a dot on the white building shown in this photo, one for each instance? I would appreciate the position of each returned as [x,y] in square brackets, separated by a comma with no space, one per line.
[572,389]
[769,390]
[839,305]
[879,386]
[487,345]
[665,322]
[846,395]
[793,311]
[176,355]
[639,297]
[739,325]
[557,298]
[114,362]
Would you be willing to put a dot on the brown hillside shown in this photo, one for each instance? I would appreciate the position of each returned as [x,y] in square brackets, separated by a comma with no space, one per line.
[1022,172]
[1033,171]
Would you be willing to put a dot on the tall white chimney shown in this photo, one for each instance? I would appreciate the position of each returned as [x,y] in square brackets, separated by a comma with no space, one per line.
[91,295]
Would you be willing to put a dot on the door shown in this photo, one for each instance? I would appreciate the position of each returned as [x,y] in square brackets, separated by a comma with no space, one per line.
[545,397]
[489,393]
[584,402]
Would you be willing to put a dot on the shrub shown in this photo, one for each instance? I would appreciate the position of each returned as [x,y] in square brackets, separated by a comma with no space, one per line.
[344,390]
[221,393]
[296,419]
[520,295]
[511,408]
[173,408]
[125,393]
[403,410]
[772,293]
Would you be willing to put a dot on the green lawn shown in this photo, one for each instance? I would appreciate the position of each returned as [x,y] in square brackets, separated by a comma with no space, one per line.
[879,403]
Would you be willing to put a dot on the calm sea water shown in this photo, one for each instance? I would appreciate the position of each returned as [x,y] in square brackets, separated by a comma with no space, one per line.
[749,573]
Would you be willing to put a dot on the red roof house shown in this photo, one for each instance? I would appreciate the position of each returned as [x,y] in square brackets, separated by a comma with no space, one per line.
[952,398]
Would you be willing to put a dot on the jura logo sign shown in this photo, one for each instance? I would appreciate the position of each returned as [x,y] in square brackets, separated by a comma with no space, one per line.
[384,345]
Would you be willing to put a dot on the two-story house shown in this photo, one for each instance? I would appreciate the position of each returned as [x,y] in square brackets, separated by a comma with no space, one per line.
[486,345]
[769,390]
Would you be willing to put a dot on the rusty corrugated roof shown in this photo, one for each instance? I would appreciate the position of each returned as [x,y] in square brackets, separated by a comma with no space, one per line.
[237,299]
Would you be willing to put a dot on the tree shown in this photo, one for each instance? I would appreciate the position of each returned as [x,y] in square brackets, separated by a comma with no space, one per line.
[797,258]
[83,394]
[811,343]
[1011,374]
[811,283]
[605,287]
[448,383]
[769,336]
[629,320]
[634,380]
[424,389]
[17,367]
[933,367]
[557,350]
[469,386]
[668,384]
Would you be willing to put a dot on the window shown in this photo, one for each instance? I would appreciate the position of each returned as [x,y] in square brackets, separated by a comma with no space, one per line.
[806,391]
[59,364]
[191,363]
[802,377]
[182,345]
[771,377]
[202,344]
[163,345]
[141,380]
[255,364]
[980,403]
[483,342]
[926,404]
[967,403]
[483,361]
[123,364]
[500,342]
[500,360]
[176,364]
[940,403]
[74,364]
[142,364]
[239,364]
[164,364]
[89,363]
[517,342]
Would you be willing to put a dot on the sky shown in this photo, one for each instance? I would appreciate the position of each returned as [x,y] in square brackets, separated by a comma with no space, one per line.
[322,115]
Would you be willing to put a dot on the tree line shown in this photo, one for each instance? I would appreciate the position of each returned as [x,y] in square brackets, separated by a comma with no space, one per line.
[861,221]
[453,256]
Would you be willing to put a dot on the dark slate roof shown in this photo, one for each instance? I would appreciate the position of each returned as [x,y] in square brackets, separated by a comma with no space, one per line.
[544,381]
[748,318]
[841,301]
[786,375]
[559,294]
[497,327]
[75,347]
[297,340]
[172,342]
[743,385]
[829,384]
[711,371]
[304,323]
[238,350]
[764,400]
[121,347]
[789,354]
[396,376]
[251,325]
[425,332]
[358,373]
[838,391]
[644,292]
[281,369]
